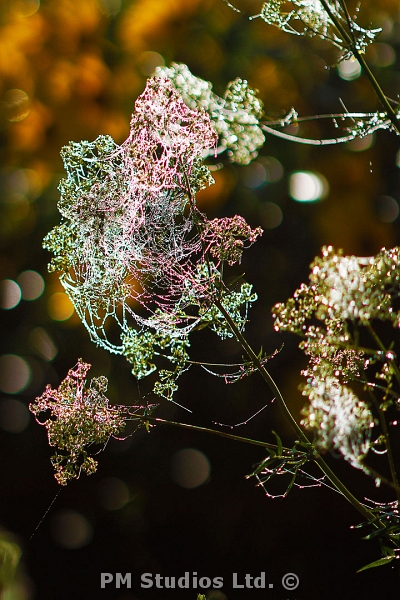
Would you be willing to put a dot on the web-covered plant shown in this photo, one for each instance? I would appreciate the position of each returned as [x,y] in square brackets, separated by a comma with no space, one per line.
[138,260]
[79,417]
[145,269]
[335,316]
[323,18]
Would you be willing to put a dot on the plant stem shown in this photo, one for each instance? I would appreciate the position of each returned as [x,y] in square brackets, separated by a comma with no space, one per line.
[382,348]
[264,373]
[349,39]
[382,419]
[320,462]
[230,436]
[336,482]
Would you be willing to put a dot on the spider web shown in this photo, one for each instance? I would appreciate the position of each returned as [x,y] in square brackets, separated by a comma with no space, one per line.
[128,237]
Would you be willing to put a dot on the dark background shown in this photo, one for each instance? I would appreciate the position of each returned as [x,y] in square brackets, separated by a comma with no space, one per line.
[81,65]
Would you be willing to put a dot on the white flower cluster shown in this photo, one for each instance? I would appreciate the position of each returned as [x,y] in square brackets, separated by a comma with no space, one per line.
[235,117]
[310,14]
[353,287]
[341,421]
[325,19]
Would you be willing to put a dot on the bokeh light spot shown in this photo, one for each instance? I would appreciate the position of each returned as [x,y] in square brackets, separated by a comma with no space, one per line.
[18,206]
[305,186]
[14,415]
[26,8]
[10,294]
[271,215]
[60,307]
[71,530]
[361,144]
[148,61]
[273,168]
[15,374]
[349,69]
[253,175]
[190,468]
[387,209]
[109,7]
[382,55]
[32,285]
[113,493]
[15,105]
[43,344]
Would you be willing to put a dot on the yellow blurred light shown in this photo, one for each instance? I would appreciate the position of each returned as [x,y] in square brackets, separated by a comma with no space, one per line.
[20,185]
[148,61]
[15,105]
[215,195]
[109,7]
[60,307]
[26,8]
[30,134]
[10,294]
[92,76]
[18,206]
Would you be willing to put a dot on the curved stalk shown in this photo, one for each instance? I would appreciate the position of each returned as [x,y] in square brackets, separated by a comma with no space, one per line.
[335,481]
[229,436]
[326,470]
[382,419]
[351,43]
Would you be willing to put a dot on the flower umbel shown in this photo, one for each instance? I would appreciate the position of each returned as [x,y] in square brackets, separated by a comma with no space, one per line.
[79,417]
[235,117]
[327,20]
[341,421]
[138,260]
[128,236]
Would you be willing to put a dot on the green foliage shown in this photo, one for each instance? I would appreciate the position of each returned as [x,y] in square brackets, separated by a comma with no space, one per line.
[236,304]
[378,563]
[140,348]
[10,554]
[285,464]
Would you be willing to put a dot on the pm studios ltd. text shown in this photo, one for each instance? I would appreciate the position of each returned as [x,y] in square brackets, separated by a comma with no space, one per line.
[194,581]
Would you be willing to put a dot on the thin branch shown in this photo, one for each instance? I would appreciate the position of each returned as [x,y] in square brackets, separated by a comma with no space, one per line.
[339,485]
[325,142]
[352,45]
[308,141]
